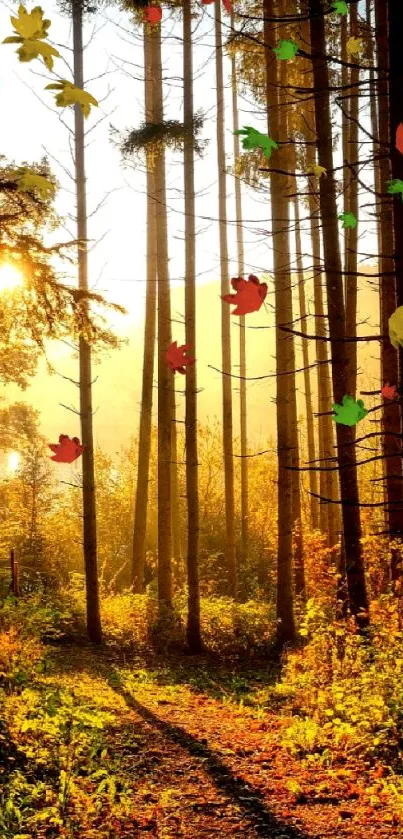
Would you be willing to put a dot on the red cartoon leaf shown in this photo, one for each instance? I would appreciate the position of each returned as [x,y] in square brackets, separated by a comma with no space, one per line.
[389,391]
[399,138]
[66,450]
[152,14]
[249,296]
[176,357]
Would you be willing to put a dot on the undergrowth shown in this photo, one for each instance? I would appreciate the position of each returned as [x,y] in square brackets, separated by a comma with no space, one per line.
[342,696]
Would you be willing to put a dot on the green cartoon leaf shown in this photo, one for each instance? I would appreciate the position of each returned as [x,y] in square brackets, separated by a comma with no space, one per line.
[350,412]
[348,219]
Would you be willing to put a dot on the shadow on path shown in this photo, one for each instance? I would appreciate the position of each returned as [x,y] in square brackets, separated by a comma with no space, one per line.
[250,800]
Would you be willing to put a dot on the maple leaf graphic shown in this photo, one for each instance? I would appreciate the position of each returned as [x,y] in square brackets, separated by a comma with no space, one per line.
[396,187]
[340,6]
[389,391]
[350,412]
[316,170]
[348,220]
[254,139]
[176,357]
[152,14]
[286,50]
[66,450]
[399,138]
[249,297]
[396,328]
[354,46]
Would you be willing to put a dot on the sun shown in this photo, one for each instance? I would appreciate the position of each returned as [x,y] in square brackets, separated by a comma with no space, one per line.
[13,461]
[10,277]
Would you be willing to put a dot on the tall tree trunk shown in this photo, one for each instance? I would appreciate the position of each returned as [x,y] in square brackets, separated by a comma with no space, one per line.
[374,110]
[327,480]
[192,491]
[330,517]
[242,332]
[313,475]
[344,123]
[141,503]
[284,361]
[395,18]
[94,629]
[391,425]
[337,322]
[225,320]
[165,376]
[288,186]
[351,285]
[176,523]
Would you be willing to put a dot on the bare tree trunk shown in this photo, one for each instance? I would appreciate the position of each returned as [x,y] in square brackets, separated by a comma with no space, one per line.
[327,480]
[283,309]
[141,503]
[242,333]
[337,322]
[225,320]
[94,628]
[176,524]
[378,188]
[344,124]
[165,376]
[288,187]
[313,476]
[395,63]
[192,490]
[330,518]
[351,285]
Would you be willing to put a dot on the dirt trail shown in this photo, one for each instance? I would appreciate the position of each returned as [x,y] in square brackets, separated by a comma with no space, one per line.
[201,768]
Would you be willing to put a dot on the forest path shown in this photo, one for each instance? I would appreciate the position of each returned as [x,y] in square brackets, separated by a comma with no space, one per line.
[199,766]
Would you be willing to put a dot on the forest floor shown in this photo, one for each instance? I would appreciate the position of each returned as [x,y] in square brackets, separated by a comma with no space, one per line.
[198,764]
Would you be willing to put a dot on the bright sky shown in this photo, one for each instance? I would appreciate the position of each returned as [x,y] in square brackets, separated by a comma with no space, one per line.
[113,71]
[32,125]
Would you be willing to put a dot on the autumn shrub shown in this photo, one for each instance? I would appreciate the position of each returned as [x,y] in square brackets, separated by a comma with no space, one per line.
[345,690]
[54,617]
[237,629]
[228,629]
[66,783]
[136,622]
[19,658]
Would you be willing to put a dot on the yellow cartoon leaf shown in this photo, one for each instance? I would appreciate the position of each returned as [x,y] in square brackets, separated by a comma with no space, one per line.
[396,328]
[69,94]
[35,49]
[316,170]
[29,181]
[354,46]
[30,25]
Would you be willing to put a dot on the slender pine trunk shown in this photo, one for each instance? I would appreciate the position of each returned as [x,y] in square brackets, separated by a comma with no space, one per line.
[192,491]
[284,360]
[313,475]
[94,628]
[395,63]
[242,332]
[351,234]
[165,376]
[337,322]
[225,320]
[143,465]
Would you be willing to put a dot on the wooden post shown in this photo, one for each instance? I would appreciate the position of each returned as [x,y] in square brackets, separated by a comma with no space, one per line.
[14,586]
[12,563]
[16,577]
